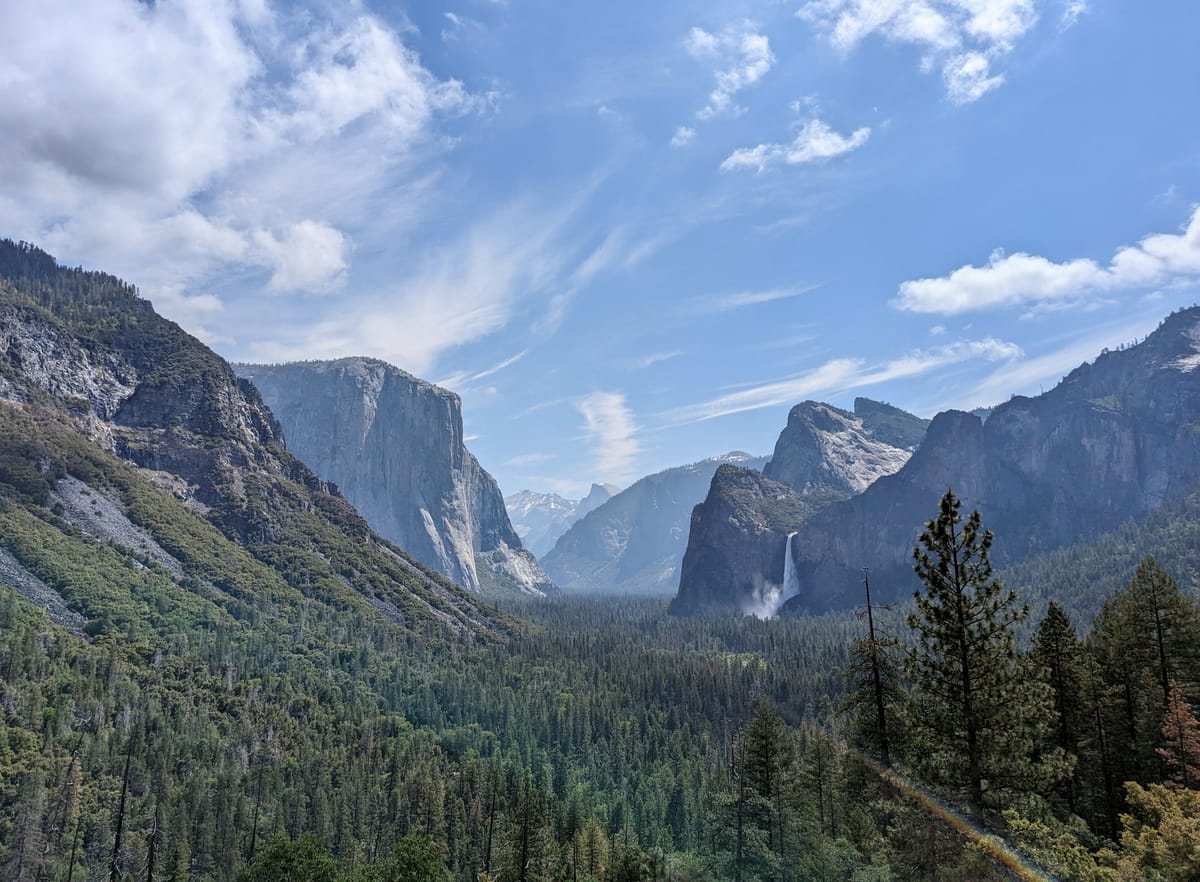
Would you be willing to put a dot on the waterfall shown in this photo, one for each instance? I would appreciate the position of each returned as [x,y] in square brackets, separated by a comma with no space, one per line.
[768,598]
[791,581]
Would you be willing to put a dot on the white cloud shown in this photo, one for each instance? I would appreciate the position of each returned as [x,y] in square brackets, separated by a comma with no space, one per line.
[179,141]
[962,37]
[612,433]
[969,77]
[1025,279]
[460,290]
[842,374]
[655,358]
[742,57]
[815,142]
[683,136]
[459,380]
[1072,12]
[309,256]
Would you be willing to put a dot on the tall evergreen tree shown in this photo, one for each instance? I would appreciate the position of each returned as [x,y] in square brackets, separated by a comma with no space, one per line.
[1059,655]
[981,715]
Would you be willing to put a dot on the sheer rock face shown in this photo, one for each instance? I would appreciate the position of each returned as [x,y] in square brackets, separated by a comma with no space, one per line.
[737,542]
[393,444]
[738,538]
[1112,441]
[634,543]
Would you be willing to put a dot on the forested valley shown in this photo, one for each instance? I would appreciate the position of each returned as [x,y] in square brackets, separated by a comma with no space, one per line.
[605,741]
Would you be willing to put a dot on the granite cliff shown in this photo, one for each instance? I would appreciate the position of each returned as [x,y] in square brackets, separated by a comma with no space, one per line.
[1112,442]
[393,445]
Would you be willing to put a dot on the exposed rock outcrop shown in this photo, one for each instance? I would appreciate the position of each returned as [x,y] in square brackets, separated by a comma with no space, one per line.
[735,559]
[827,451]
[393,445]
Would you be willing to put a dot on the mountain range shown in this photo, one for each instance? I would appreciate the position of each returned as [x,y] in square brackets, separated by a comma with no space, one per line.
[738,540]
[1113,442]
[634,542]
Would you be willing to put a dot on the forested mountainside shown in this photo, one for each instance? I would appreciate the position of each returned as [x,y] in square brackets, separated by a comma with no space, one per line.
[393,445]
[95,383]
[633,543]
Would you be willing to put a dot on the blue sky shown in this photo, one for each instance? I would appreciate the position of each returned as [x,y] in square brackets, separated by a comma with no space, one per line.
[630,235]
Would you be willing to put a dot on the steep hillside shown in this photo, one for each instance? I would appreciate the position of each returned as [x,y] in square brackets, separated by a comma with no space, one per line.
[118,427]
[393,445]
[634,542]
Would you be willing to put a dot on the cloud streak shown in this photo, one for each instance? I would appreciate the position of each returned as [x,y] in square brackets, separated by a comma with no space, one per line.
[840,375]
[612,434]
[1022,279]
[729,302]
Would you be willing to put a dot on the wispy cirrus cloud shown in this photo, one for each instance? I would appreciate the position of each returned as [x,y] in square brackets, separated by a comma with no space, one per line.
[741,56]
[1029,280]
[840,375]
[815,142]
[964,38]
[717,303]
[461,379]
[612,433]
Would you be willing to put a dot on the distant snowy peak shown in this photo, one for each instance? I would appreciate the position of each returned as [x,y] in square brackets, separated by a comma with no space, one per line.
[540,518]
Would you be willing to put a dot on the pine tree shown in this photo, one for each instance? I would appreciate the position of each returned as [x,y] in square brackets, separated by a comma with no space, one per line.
[1058,653]
[1181,742]
[1167,623]
[981,715]
[876,695]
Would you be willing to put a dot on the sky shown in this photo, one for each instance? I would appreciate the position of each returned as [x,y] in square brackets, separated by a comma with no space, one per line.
[630,235]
